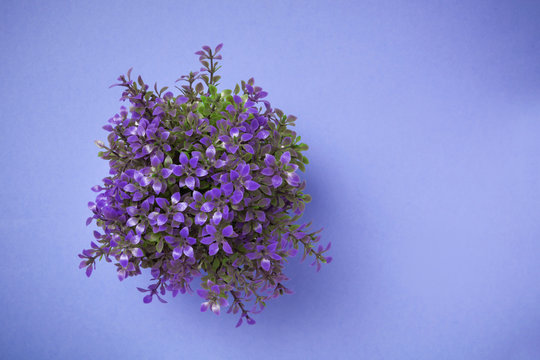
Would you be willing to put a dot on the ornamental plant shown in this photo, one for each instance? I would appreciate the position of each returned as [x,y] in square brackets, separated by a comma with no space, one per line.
[202,184]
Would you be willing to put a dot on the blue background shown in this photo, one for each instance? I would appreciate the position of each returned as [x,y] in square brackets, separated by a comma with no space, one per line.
[423,120]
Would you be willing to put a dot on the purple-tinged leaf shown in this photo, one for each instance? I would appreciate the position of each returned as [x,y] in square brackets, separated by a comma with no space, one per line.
[162,203]
[234,132]
[249,149]
[154,161]
[147,299]
[200,218]
[177,253]
[181,100]
[188,251]
[183,159]
[178,217]
[137,252]
[207,240]
[253,256]
[121,274]
[231,148]
[177,169]
[89,270]
[130,188]
[137,195]
[175,198]
[276,181]
[227,231]
[190,182]
[285,158]
[293,179]
[227,188]
[239,322]
[124,260]
[210,229]
[216,218]
[157,186]
[132,210]
[263,134]
[197,196]
[132,222]
[205,306]
[251,185]
[237,196]
[213,249]
[162,219]
[207,206]
[223,302]
[165,172]
[267,171]
[265,264]
[211,152]
[184,232]
[193,162]
[269,160]
[226,247]
[234,175]
[157,111]
[181,206]
[200,172]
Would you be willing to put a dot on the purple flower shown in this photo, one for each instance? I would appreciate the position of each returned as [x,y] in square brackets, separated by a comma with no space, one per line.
[212,296]
[278,171]
[265,254]
[214,239]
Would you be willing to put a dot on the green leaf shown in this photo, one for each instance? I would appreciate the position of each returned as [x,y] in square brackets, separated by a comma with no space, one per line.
[216,264]
[307,198]
[159,246]
[302,147]
[168,161]
[212,89]
[305,159]
[201,109]
[199,87]
[247,157]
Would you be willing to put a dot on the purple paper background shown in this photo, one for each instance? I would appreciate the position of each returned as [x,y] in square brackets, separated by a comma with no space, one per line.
[423,121]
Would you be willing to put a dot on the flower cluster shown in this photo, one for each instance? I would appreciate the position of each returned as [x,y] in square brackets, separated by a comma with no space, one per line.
[202,184]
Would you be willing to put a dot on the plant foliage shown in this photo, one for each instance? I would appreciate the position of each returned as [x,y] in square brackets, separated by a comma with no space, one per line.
[202,184]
